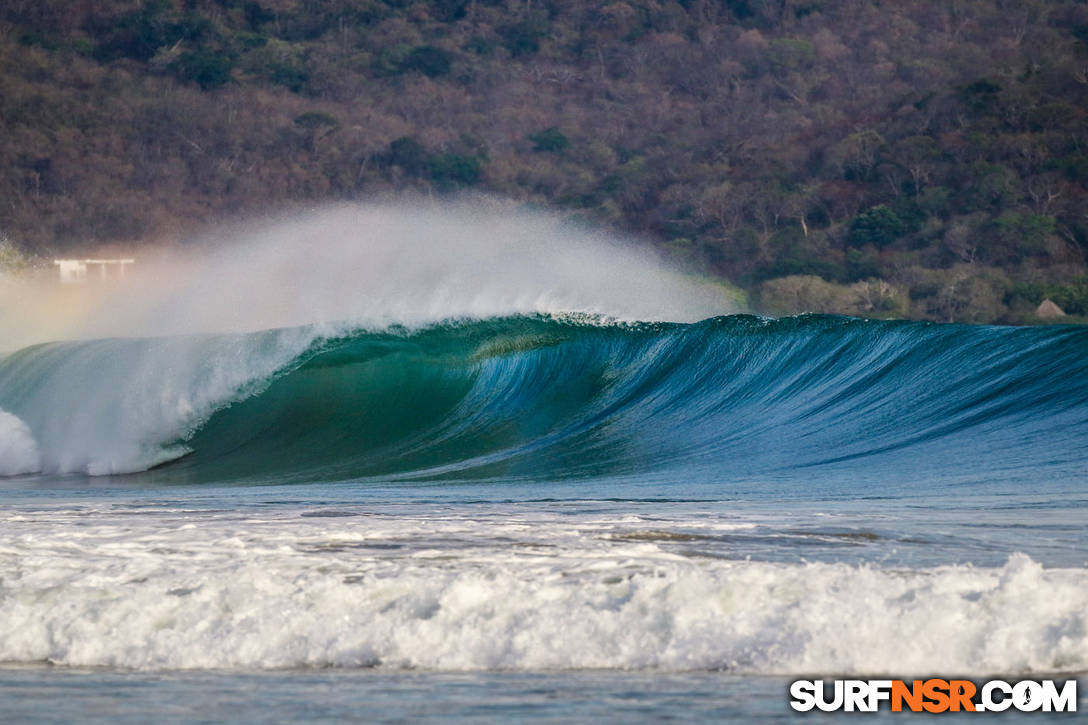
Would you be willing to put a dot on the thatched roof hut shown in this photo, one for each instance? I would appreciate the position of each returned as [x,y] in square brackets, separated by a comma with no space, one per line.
[1047,309]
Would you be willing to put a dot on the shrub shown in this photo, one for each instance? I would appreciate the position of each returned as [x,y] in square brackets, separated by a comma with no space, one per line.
[788,54]
[521,39]
[449,11]
[192,28]
[137,35]
[879,226]
[428,60]
[449,171]
[11,258]
[409,154]
[808,293]
[1022,235]
[550,139]
[208,69]
[316,119]
[277,62]
[1072,298]
[480,45]
[255,15]
[804,293]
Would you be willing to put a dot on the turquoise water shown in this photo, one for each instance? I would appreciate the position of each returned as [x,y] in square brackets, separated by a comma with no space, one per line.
[537,518]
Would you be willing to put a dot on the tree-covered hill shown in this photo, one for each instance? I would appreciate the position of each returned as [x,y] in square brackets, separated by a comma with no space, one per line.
[925,159]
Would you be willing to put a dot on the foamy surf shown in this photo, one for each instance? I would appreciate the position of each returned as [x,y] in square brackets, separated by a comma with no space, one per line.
[456,592]
[120,405]
[18,449]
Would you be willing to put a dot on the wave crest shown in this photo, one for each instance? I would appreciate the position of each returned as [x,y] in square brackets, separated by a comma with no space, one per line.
[547,397]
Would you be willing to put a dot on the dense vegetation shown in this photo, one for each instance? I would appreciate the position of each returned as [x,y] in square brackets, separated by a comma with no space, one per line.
[925,159]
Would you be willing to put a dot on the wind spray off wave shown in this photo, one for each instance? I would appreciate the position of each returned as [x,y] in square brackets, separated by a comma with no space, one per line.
[364,267]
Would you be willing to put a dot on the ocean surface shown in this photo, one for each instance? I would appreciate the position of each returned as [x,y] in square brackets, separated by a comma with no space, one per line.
[537,517]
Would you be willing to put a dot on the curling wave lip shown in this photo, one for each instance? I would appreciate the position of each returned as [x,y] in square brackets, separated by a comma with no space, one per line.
[569,397]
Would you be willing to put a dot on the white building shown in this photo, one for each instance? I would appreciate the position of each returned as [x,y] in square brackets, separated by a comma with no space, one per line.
[76,270]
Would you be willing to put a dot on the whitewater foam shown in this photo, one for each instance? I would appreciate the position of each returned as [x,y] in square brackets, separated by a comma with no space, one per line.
[119,406]
[18,449]
[468,591]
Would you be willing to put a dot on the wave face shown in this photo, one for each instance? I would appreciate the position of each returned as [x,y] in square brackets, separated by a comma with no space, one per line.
[729,399]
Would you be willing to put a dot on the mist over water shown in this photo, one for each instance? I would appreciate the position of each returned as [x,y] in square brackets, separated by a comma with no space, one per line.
[364,266]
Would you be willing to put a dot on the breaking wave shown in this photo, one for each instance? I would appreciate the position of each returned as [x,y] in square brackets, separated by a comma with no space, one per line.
[432,593]
[541,396]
